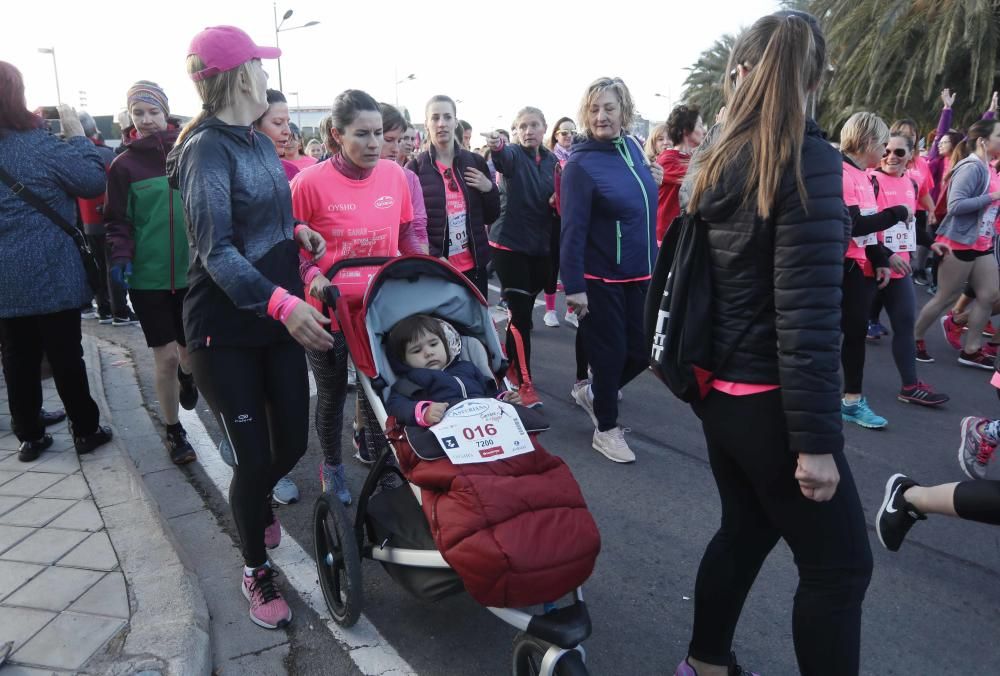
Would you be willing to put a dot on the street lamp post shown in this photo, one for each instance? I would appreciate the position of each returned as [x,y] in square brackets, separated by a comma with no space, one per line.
[55,68]
[298,108]
[278,29]
[409,77]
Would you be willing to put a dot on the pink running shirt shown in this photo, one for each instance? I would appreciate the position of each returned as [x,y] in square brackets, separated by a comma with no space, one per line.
[458,253]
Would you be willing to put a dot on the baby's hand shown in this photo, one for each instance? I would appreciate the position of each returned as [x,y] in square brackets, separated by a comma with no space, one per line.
[511,397]
[435,412]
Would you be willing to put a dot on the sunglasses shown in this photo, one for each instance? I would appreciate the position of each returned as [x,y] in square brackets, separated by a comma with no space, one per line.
[898,152]
[450,177]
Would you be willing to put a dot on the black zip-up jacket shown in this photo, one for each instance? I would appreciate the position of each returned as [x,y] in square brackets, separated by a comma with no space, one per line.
[792,265]
[481,208]
[240,231]
[526,226]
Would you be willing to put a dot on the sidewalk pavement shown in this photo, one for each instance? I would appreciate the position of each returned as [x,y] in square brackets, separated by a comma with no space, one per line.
[89,578]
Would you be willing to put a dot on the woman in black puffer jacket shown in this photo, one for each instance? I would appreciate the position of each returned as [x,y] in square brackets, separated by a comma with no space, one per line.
[460,197]
[770,191]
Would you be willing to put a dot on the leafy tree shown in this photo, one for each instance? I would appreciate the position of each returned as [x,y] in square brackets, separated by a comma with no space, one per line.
[703,85]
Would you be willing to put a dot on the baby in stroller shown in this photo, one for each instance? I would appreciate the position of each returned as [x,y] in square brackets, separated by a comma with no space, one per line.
[424,351]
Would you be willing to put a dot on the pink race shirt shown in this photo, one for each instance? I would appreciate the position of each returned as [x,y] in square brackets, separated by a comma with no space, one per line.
[458,253]
[893,191]
[356,218]
[920,172]
[858,192]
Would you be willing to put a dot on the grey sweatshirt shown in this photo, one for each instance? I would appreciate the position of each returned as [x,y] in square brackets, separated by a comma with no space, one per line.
[968,196]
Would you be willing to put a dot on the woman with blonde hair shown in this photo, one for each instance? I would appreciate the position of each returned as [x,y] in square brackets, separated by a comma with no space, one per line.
[769,191]
[658,141]
[244,318]
[608,202]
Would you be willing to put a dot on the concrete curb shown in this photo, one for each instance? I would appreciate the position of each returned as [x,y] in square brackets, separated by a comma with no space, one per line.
[168,630]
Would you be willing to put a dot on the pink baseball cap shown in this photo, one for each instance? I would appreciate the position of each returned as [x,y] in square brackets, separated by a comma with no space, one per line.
[223,48]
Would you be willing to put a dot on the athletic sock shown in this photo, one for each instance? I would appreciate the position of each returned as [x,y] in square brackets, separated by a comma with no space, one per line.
[550,302]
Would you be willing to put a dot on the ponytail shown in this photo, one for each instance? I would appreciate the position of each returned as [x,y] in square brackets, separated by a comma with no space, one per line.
[786,55]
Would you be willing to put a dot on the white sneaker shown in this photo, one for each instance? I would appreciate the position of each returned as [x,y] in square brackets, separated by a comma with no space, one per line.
[352,375]
[584,399]
[551,319]
[611,445]
[571,319]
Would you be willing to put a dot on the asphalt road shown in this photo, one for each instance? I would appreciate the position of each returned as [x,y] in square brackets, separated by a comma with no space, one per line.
[931,608]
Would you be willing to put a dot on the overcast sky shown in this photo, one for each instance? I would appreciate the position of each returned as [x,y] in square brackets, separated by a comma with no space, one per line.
[493,56]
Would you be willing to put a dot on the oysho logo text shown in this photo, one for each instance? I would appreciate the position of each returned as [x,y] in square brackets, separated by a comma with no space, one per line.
[347,206]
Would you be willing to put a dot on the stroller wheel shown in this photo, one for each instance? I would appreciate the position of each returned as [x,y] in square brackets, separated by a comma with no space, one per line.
[337,560]
[529,656]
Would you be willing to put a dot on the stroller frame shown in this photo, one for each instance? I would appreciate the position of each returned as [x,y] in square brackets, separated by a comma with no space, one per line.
[548,643]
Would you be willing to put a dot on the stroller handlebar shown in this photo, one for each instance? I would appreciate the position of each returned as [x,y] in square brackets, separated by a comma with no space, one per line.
[356,263]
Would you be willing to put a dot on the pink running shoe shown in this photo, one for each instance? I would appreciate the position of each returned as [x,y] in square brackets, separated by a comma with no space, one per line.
[267,608]
[272,534]
[952,331]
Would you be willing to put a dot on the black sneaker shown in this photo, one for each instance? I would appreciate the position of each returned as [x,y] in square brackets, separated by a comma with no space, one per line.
[86,443]
[127,320]
[181,452]
[30,450]
[50,418]
[189,392]
[921,393]
[105,318]
[896,516]
[923,355]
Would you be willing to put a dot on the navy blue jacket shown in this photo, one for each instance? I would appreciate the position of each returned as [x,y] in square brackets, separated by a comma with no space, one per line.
[608,200]
[526,226]
[481,208]
[40,268]
[457,382]
[238,208]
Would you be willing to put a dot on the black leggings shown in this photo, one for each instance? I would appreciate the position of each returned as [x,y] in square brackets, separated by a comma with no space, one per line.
[261,395]
[762,502]
[900,301]
[330,371]
[856,304]
[978,501]
[614,339]
[553,281]
[23,341]
[582,363]
[522,278]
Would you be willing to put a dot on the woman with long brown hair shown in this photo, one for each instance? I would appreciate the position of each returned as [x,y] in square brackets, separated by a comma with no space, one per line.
[769,191]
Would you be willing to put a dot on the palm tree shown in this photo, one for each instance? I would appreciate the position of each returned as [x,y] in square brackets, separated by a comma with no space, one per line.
[703,85]
[894,56]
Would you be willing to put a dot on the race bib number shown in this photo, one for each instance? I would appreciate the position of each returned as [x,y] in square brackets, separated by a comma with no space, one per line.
[458,236]
[987,224]
[866,239]
[481,430]
[901,237]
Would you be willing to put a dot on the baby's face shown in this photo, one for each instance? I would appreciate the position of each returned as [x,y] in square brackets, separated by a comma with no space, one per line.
[426,352]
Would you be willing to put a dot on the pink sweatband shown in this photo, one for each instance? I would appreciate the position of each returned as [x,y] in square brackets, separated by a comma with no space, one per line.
[281,304]
[311,274]
[419,411]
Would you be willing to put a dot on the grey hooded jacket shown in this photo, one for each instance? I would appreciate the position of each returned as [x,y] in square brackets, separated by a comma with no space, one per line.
[968,197]
[238,208]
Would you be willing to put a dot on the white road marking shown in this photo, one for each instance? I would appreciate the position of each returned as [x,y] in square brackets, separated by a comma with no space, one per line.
[367,648]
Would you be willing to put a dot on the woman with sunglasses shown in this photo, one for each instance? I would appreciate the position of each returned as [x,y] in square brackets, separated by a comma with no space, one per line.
[867,262]
[968,229]
[894,186]
[460,197]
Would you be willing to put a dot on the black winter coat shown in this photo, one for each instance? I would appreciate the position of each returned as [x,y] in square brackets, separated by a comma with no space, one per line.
[527,223]
[481,208]
[793,266]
